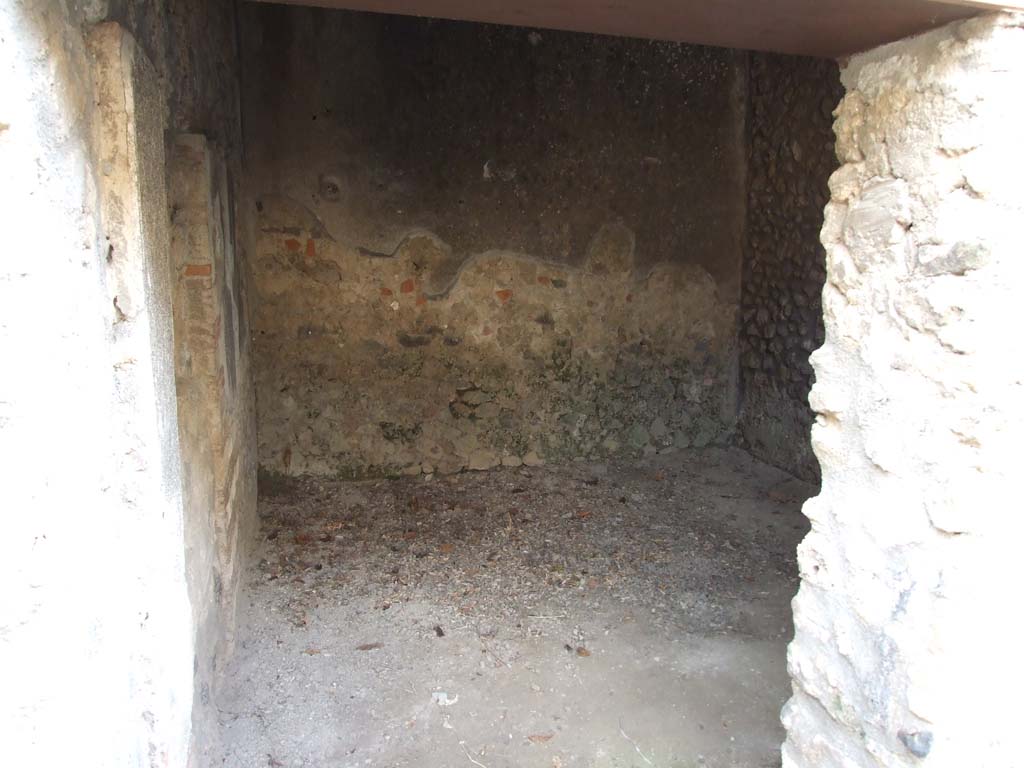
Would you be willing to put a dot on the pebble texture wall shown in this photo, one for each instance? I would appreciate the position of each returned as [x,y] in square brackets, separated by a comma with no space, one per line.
[792,154]
[904,653]
[487,245]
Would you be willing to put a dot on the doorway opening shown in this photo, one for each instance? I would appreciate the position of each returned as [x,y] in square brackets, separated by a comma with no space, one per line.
[532,313]
[419,392]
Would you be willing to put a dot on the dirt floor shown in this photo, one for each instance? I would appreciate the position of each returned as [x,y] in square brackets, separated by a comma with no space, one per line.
[552,617]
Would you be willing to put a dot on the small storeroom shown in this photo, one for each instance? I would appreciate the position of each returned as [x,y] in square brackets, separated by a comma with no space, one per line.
[435,384]
[532,313]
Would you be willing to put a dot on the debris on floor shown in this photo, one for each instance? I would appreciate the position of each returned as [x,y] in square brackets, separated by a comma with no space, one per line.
[568,606]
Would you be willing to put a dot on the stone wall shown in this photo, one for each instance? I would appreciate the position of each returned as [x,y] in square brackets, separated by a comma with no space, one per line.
[132,213]
[123,596]
[193,47]
[792,154]
[215,404]
[95,621]
[519,361]
[905,650]
[484,244]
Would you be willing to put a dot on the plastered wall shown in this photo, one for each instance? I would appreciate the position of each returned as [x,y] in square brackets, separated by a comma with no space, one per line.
[485,245]
[96,629]
[128,514]
[215,403]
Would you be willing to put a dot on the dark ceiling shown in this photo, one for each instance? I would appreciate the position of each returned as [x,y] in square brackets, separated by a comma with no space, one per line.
[829,28]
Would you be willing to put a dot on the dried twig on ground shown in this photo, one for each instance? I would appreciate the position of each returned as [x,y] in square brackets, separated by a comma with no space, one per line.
[635,745]
[474,762]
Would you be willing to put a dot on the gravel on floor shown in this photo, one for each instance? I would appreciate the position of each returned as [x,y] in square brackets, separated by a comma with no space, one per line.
[590,615]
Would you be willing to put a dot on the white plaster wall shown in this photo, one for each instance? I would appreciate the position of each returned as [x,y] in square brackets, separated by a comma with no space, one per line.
[95,629]
[906,646]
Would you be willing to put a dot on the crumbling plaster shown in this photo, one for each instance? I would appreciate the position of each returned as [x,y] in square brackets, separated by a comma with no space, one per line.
[484,244]
[520,361]
[905,651]
[495,138]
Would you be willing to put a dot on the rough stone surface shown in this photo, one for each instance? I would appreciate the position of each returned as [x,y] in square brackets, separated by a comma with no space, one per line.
[521,360]
[905,649]
[480,243]
[792,154]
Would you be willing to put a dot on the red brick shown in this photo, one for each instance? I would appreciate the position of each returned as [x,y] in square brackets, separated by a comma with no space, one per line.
[386,292]
[292,245]
[198,270]
[503,295]
[310,249]
[544,280]
[408,286]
